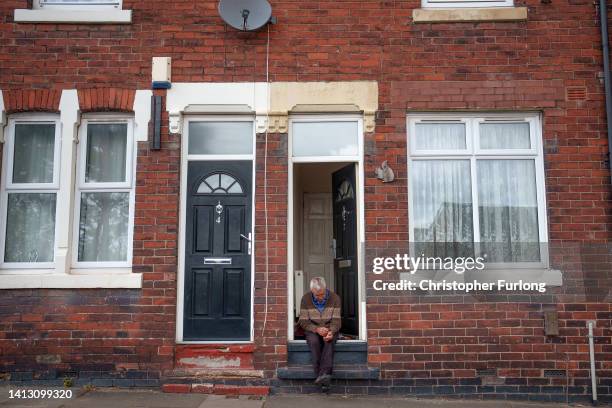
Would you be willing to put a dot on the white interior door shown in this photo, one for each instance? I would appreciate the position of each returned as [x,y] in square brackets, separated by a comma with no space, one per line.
[318,235]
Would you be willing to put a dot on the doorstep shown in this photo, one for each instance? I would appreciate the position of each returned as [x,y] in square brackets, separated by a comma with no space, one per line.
[341,372]
[216,357]
[220,369]
[350,362]
[345,352]
[216,389]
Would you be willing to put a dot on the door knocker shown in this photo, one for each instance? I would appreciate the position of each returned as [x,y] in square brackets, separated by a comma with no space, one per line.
[219,209]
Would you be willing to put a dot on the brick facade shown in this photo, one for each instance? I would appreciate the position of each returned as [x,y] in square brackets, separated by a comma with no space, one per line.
[425,345]
[31,100]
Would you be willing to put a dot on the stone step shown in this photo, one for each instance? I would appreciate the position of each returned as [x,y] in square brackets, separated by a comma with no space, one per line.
[349,352]
[184,375]
[214,357]
[341,372]
[216,389]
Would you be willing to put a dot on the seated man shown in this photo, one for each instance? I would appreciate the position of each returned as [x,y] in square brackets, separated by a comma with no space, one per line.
[320,319]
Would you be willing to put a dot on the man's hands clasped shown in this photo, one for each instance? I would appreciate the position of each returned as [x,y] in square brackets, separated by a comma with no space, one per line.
[325,333]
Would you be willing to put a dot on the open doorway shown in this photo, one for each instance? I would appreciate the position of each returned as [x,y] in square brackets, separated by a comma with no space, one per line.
[325,237]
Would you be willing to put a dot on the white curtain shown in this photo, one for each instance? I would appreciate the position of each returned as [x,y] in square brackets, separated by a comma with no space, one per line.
[442,207]
[508,210]
[106,153]
[30,229]
[440,136]
[504,136]
[33,157]
[103,228]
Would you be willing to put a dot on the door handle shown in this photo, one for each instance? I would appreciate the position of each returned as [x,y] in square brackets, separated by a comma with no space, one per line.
[333,248]
[249,240]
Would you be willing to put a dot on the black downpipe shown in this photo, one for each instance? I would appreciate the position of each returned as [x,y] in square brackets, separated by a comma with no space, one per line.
[603,15]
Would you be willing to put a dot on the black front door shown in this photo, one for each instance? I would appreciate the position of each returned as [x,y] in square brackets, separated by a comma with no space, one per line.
[218,251]
[345,236]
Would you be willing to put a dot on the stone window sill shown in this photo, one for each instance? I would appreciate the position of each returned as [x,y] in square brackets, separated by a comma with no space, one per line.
[108,279]
[449,15]
[73,16]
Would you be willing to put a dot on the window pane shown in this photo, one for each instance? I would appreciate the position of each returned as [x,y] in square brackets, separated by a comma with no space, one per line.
[508,209]
[504,136]
[103,227]
[106,153]
[220,137]
[442,207]
[30,227]
[33,157]
[440,136]
[325,139]
[220,183]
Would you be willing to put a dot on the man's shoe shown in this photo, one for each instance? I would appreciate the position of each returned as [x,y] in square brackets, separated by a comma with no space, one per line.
[325,380]
[318,380]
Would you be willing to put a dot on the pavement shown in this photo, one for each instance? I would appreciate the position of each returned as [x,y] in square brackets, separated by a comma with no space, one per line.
[119,398]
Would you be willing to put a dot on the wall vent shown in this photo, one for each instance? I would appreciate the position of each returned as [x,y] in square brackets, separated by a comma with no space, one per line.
[485,372]
[576,93]
[554,373]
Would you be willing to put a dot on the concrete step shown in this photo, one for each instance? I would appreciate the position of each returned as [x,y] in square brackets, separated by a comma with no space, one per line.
[216,389]
[214,357]
[184,375]
[349,352]
[341,372]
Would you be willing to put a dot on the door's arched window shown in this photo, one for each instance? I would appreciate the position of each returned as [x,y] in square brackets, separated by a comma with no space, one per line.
[220,183]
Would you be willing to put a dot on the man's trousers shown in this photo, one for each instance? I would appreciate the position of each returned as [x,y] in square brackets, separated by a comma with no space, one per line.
[322,353]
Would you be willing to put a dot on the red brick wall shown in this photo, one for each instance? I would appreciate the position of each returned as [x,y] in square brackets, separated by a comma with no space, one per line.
[533,65]
[106,99]
[271,340]
[28,100]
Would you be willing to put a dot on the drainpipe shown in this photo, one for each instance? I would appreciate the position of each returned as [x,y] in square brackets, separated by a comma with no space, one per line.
[603,15]
[592,356]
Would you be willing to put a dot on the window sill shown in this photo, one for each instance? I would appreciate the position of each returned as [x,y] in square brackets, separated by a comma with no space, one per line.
[72,16]
[449,15]
[551,277]
[109,279]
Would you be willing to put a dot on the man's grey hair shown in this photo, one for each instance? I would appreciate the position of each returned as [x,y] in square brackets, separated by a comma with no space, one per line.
[318,283]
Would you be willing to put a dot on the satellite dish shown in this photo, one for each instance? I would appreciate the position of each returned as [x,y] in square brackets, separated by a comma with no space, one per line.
[245,15]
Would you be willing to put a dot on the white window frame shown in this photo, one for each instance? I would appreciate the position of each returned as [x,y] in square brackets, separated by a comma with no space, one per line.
[114,187]
[41,12]
[474,153]
[7,186]
[77,4]
[466,3]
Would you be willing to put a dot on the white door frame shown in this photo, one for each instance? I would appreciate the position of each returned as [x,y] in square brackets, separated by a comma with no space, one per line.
[358,160]
[185,159]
